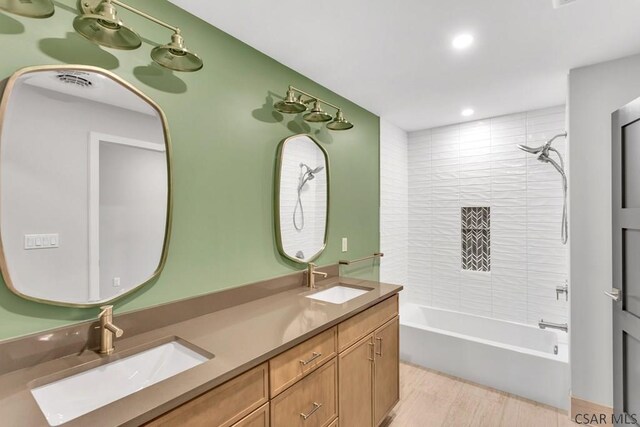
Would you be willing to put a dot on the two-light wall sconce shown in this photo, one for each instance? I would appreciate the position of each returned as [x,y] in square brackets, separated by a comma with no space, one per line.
[293,104]
[99,23]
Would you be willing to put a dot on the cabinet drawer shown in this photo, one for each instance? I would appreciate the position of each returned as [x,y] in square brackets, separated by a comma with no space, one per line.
[352,330]
[258,418]
[301,360]
[313,398]
[224,405]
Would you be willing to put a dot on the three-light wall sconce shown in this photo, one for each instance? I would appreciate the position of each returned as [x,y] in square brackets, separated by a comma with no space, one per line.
[99,23]
[295,103]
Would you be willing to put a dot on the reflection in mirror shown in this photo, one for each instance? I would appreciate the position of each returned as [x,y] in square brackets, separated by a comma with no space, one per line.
[302,199]
[84,186]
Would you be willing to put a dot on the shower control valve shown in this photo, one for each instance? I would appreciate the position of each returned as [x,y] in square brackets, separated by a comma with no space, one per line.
[564,289]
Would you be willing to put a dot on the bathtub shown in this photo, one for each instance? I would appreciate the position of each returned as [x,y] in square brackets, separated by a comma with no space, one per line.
[511,357]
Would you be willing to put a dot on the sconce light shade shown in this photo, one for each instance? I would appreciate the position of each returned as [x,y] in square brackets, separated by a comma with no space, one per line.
[176,56]
[290,104]
[339,123]
[317,115]
[105,28]
[30,9]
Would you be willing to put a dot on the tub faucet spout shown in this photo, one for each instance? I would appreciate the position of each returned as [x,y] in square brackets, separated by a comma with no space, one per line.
[561,326]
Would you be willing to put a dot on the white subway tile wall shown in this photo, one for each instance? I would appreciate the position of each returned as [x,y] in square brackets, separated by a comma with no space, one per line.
[394,204]
[478,164]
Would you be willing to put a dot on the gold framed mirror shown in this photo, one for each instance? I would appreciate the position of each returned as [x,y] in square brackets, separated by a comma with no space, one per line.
[85,186]
[302,191]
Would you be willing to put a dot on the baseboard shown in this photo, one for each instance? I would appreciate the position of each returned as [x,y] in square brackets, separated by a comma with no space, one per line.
[585,412]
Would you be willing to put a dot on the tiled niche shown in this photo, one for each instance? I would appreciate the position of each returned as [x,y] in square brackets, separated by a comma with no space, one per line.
[476,238]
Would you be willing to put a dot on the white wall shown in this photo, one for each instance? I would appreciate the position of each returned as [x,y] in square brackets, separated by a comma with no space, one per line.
[132,215]
[394,205]
[594,93]
[478,164]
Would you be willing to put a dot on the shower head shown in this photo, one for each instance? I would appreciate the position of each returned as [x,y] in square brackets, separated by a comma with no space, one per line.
[542,151]
[309,170]
[532,150]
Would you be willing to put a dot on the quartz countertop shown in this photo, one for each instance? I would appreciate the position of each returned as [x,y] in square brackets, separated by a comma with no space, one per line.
[240,338]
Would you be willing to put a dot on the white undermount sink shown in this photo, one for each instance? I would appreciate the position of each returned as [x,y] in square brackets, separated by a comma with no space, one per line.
[338,294]
[71,397]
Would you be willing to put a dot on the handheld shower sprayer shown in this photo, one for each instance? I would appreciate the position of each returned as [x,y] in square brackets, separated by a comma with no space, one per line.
[305,176]
[542,154]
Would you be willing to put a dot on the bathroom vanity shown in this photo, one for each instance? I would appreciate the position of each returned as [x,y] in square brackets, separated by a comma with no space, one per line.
[274,356]
[348,372]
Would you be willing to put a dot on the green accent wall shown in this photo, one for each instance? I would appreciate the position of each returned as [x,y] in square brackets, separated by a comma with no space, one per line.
[225,134]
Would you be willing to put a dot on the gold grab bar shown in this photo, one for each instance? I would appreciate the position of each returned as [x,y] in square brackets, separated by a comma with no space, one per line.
[375,255]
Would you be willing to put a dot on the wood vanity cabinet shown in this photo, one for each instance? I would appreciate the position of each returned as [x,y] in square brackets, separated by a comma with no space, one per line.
[369,378]
[347,375]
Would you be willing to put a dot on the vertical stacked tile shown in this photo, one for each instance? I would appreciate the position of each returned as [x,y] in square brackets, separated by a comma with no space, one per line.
[394,205]
[420,272]
[509,218]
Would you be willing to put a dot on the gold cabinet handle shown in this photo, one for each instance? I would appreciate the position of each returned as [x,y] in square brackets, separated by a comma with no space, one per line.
[316,406]
[372,347]
[314,356]
[380,341]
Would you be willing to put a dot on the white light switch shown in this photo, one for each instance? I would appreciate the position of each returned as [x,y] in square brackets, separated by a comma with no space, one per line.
[116,282]
[41,241]
[345,244]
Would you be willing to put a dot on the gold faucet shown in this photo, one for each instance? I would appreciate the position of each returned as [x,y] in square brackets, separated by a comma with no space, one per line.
[108,330]
[311,275]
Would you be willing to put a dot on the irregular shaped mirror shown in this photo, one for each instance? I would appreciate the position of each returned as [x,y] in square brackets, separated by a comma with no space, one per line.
[302,198]
[84,185]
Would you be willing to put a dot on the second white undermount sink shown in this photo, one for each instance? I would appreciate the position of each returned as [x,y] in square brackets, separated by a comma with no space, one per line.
[338,294]
[71,397]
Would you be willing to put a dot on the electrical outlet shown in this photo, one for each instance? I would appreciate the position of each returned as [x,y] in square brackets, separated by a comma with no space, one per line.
[116,282]
[345,244]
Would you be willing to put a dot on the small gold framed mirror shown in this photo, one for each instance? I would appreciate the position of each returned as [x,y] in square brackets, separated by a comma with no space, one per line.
[302,198]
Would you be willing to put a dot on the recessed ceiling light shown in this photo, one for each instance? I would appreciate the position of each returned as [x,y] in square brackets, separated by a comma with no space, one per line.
[462,41]
[467,112]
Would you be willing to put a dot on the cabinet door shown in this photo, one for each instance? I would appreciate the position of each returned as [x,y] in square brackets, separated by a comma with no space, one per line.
[355,384]
[386,369]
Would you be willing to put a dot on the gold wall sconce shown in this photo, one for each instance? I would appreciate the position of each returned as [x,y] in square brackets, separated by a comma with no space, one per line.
[295,103]
[30,9]
[99,22]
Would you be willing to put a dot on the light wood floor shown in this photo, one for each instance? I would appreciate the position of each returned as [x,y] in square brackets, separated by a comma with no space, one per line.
[432,399]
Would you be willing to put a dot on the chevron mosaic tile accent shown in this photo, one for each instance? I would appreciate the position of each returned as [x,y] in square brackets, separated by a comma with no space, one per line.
[476,238]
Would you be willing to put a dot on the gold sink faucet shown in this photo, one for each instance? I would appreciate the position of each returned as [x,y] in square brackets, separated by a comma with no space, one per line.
[311,275]
[108,330]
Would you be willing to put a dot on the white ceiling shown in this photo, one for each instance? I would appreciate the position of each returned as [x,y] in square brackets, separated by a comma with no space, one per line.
[395,57]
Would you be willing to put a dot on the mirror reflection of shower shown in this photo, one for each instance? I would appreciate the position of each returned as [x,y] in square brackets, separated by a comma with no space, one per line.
[542,154]
[306,174]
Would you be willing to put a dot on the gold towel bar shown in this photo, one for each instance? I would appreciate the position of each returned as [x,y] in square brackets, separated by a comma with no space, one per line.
[376,255]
